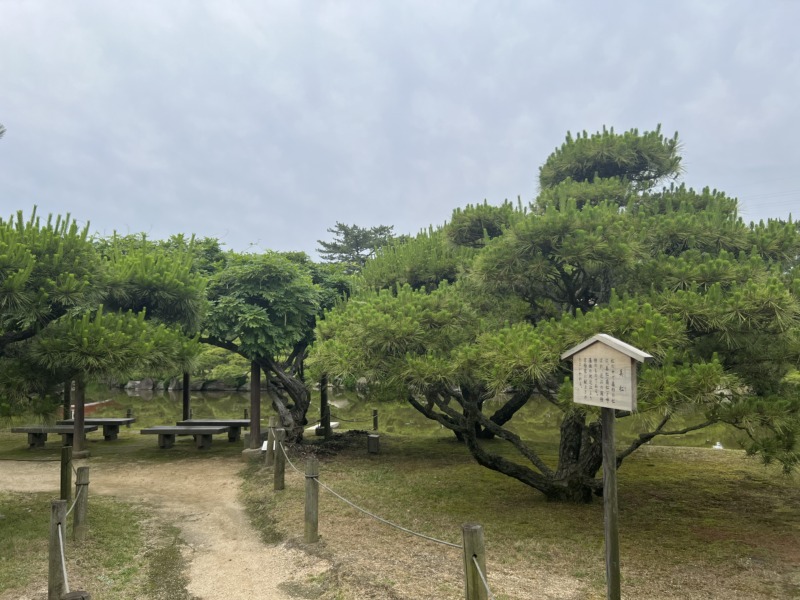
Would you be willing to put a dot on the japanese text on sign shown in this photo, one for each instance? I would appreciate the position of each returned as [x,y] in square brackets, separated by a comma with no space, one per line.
[604,377]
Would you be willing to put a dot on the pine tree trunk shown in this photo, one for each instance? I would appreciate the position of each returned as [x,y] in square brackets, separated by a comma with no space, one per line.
[255,405]
[580,457]
[293,418]
[80,415]
[67,410]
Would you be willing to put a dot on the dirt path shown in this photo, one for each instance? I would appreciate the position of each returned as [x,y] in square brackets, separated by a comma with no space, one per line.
[199,497]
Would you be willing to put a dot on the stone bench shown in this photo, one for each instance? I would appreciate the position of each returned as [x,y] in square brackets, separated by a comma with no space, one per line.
[235,425]
[110,425]
[166,434]
[37,434]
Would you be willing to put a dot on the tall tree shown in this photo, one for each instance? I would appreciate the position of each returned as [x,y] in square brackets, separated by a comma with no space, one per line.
[264,307]
[676,273]
[353,245]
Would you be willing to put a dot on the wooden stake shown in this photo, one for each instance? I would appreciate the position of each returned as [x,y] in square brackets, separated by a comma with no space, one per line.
[56,586]
[474,547]
[66,473]
[269,458]
[80,522]
[312,501]
[280,461]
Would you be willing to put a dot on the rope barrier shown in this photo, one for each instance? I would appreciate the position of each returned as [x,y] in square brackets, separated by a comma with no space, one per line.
[63,560]
[291,464]
[74,502]
[483,578]
[366,512]
[382,520]
[351,420]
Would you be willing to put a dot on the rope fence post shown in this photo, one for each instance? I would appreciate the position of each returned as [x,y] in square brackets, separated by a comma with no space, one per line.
[56,581]
[66,473]
[373,443]
[280,461]
[474,562]
[375,419]
[312,501]
[269,458]
[80,523]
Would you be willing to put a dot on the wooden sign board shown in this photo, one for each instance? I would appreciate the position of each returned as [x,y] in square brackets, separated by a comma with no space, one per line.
[604,377]
[604,372]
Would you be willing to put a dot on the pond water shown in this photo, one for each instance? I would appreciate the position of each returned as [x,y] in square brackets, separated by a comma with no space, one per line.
[160,407]
[537,420]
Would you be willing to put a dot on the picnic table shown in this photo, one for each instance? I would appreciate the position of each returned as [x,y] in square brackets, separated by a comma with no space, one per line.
[234,425]
[110,425]
[37,434]
[202,435]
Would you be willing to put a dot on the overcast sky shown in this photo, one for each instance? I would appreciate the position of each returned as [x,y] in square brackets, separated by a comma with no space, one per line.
[263,123]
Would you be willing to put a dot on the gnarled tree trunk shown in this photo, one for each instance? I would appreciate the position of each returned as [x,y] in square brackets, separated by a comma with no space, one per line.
[580,450]
[293,417]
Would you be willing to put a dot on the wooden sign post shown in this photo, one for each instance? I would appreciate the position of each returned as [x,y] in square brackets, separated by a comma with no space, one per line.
[604,375]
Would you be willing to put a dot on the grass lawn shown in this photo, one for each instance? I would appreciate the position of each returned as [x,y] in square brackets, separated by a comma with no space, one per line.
[694,523]
[129,554]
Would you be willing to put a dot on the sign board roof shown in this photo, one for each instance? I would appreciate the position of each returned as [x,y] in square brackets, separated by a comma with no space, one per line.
[610,341]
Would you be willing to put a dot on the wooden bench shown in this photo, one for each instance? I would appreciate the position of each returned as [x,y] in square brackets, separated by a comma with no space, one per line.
[37,434]
[202,435]
[235,425]
[110,425]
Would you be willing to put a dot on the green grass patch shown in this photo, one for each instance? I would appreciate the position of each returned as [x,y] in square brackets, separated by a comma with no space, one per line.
[126,551]
[260,507]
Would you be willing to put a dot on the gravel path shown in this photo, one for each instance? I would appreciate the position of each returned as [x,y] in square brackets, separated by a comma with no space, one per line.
[226,559]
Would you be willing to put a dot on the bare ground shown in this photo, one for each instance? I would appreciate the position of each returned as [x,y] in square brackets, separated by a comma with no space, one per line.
[224,555]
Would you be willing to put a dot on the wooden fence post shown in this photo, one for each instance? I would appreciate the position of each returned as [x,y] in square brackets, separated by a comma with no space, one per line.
[375,419]
[610,506]
[312,501]
[474,548]
[280,461]
[79,523]
[56,586]
[66,473]
[269,458]
[373,443]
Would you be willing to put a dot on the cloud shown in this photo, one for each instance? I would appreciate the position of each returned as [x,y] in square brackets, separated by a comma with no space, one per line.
[267,122]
